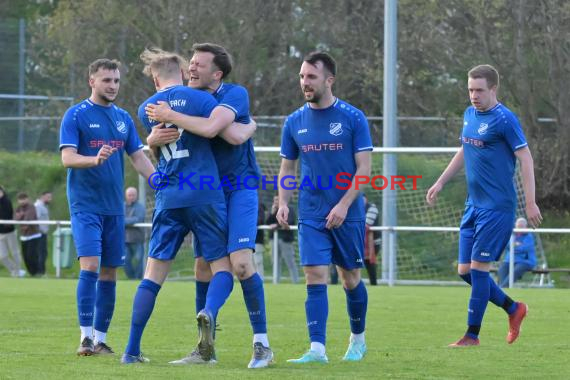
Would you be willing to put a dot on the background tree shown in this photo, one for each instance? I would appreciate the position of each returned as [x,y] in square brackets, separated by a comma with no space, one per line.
[439,40]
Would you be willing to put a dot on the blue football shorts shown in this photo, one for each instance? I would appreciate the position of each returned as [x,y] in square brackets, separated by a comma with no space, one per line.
[99,235]
[343,246]
[208,224]
[242,219]
[484,234]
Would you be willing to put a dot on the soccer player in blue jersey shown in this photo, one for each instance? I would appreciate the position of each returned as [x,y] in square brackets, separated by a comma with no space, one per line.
[329,136]
[94,134]
[492,139]
[209,65]
[188,198]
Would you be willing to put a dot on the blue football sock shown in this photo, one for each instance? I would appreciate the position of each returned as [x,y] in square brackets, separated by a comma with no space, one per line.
[500,298]
[86,290]
[357,304]
[254,298]
[220,288]
[480,290]
[201,292]
[104,304]
[317,311]
[496,294]
[466,277]
[142,309]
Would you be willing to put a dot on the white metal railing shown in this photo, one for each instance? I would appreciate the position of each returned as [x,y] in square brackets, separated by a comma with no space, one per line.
[390,229]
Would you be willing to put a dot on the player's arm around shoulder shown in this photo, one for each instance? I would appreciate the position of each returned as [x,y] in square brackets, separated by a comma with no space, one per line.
[236,100]
[238,133]
[199,115]
[207,127]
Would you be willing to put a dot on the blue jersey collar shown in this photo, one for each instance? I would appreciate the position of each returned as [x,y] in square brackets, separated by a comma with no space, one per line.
[168,88]
[494,108]
[88,101]
[323,109]
[218,89]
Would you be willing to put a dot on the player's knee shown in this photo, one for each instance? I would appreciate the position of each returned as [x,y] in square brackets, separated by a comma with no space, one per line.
[221,265]
[243,269]
[350,283]
[242,263]
[481,266]
[157,270]
[203,276]
[108,274]
[350,280]
[314,275]
[90,267]
[463,269]
[90,264]
[202,270]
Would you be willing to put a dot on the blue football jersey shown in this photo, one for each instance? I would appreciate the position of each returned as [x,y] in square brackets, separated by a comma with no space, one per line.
[86,127]
[326,141]
[189,166]
[235,162]
[490,140]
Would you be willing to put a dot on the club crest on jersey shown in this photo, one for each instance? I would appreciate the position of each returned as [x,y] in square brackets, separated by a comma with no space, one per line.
[483,127]
[121,127]
[336,129]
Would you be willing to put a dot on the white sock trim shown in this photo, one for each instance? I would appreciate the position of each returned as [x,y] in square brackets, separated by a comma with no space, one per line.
[358,338]
[100,337]
[261,338]
[86,331]
[318,347]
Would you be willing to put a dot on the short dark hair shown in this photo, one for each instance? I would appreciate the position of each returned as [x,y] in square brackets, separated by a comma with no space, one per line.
[222,59]
[21,196]
[328,61]
[105,64]
[487,72]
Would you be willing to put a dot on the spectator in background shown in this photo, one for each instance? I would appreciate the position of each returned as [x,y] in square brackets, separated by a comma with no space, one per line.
[43,214]
[9,249]
[260,239]
[285,250]
[29,233]
[371,241]
[134,236]
[525,257]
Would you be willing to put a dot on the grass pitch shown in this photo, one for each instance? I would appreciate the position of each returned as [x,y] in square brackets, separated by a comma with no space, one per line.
[408,329]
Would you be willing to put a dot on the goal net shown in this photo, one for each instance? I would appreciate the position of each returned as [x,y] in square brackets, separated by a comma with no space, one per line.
[421,257]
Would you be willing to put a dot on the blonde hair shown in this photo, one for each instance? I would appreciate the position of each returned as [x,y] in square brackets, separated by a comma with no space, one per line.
[162,64]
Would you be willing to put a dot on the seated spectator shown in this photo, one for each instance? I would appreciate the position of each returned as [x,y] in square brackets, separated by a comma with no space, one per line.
[525,258]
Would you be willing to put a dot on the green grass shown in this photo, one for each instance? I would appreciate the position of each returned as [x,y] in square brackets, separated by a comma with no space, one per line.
[408,330]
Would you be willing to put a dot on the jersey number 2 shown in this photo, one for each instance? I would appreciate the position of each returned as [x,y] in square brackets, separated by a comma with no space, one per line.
[174,148]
